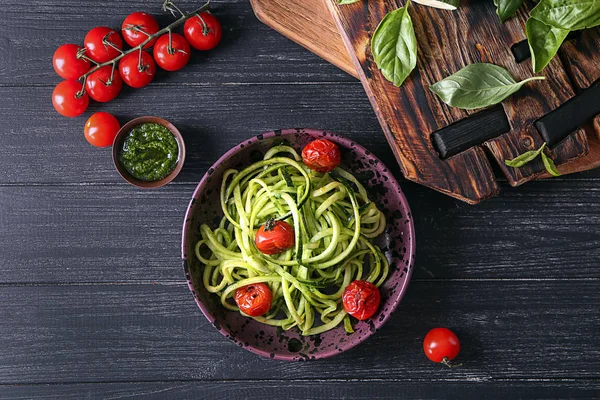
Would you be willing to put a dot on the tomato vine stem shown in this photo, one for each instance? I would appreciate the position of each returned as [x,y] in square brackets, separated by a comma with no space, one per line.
[168,5]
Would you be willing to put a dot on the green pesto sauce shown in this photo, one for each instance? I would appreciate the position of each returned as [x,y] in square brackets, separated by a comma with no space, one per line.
[149,152]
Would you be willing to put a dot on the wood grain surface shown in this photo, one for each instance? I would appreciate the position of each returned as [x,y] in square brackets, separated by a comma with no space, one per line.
[93,301]
[295,21]
[473,29]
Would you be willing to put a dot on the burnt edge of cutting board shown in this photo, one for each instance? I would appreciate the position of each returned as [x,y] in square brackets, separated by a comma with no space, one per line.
[296,21]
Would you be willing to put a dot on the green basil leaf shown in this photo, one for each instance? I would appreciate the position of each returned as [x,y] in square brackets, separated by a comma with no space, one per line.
[568,14]
[394,46]
[507,8]
[550,166]
[348,1]
[525,158]
[478,85]
[544,41]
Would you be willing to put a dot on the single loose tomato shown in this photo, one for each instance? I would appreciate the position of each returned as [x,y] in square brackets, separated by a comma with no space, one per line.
[361,299]
[254,300]
[103,85]
[321,155]
[69,100]
[96,49]
[137,27]
[68,63]
[135,72]
[100,129]
[274,237]
[441,345]
[203,31]
[173,57]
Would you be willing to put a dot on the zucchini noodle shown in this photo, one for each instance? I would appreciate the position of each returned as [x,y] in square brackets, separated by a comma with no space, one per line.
[334,222]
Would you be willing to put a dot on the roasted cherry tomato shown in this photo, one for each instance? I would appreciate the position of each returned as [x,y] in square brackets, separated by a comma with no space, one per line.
[174,57]
[203,31]
[441,345]
[95,47]
[274,237]
[361,299]
[66,63]
[254,300]
[135,25]
[321,155]
[100,129]
[66,101]
[103,87]
[135,74]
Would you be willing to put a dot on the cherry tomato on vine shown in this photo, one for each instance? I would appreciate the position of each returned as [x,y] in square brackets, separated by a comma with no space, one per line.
[134,23]
[321,155]
[361,299]
[441,345]
[274,237]
[100,129]
[175,57]
[95,47]
[135,75]
[203,31]
[66,63]
[254,300]
[101,86]
[66,101]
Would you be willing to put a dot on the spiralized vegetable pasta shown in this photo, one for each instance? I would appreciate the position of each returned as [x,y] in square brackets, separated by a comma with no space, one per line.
[334,222]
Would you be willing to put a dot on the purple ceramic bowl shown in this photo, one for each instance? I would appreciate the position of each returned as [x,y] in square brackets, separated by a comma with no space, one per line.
[398,243]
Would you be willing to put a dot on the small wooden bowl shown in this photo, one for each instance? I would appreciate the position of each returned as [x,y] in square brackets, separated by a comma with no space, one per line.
[118,144]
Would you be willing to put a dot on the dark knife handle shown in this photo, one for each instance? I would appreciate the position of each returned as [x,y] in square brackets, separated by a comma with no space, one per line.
[558,124]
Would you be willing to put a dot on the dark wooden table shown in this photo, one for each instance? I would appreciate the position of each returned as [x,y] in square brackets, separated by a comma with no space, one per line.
[93,302]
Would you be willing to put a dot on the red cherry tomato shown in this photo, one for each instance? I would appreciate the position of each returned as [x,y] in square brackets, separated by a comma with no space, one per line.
[361,299]
[441,345]
[203,31]
[136,22]
[254,300]
[135,74]
[321,155]
[100,129]
[96,49]
[274,237]
[101,86]
[66,63]
[66,101]
[172,58]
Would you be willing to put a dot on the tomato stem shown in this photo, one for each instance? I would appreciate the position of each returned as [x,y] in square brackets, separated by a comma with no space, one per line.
[167,6]
[449,364]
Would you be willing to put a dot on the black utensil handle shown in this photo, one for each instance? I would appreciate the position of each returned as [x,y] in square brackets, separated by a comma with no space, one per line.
[470,132]
[558,124]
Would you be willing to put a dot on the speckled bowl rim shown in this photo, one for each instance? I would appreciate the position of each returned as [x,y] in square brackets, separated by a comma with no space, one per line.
[345,143]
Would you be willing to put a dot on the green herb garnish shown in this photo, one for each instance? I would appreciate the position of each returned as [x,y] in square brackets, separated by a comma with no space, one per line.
[478,85]
[531,155]
[394,45]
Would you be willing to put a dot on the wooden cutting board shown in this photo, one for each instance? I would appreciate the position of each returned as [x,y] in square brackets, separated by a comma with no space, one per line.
[467,175]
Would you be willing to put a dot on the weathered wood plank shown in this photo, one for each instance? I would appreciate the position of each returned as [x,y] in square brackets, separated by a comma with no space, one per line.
[317,390]
[475,30]
[100,233]
[39,145]
[89,333]
[249,51]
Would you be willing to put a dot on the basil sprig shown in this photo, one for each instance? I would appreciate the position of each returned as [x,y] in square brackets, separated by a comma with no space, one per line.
[544,41]
[568,14]
[507,8]
[394,46]
[478,85]
[531,155]
[348,1]
[551,21]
